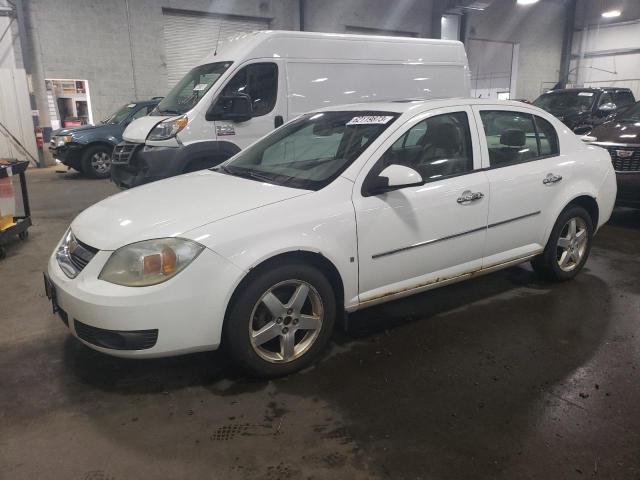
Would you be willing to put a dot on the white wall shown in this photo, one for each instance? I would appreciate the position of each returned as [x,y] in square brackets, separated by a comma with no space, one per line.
[537,29]
[607,55]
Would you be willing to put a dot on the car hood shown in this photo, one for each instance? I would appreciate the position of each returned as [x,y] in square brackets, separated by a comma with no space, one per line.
[75,130]
[139,129]
[617,132]
[173,207]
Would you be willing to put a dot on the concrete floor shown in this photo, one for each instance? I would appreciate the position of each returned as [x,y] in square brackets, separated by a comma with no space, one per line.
[499,377]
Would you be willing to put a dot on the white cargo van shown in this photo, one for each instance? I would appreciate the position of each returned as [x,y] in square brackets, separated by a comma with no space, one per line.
[257,82]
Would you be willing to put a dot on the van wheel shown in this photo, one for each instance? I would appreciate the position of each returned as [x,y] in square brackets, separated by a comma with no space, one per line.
[568,247]
[281,320]
[96,162]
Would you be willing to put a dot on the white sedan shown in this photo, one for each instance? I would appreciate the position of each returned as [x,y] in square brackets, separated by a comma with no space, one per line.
[335,211]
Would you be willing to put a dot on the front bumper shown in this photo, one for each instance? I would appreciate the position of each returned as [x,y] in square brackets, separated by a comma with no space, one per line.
[184,314]
[628,189]
[136,164]
[69,154]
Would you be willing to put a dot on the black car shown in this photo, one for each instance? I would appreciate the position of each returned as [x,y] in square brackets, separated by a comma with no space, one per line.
[581,109]
[88,148]
[621,137]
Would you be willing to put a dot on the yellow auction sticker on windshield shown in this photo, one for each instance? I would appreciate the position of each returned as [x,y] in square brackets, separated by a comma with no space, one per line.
[370,120]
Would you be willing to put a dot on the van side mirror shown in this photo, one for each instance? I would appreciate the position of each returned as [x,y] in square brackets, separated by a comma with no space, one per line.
[394,177]
[236,108]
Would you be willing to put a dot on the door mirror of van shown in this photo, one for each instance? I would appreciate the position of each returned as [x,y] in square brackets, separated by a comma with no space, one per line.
[607,108]
[236,108]
[394,177]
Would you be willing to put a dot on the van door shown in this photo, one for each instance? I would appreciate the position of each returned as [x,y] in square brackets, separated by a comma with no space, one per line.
[263,84]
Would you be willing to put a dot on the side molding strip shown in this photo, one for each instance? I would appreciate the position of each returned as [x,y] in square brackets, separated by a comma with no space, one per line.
[450,237]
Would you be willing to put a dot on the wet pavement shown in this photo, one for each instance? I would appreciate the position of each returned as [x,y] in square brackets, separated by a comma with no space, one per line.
[500,377]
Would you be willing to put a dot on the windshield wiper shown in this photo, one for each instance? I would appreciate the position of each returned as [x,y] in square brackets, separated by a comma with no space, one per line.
[170,111]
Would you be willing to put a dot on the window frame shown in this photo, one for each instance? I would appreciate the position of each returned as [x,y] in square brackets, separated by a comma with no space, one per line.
[233,75]
[483,138]
[366,173]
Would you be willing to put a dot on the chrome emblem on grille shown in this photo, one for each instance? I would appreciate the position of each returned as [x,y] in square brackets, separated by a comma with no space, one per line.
[624,153]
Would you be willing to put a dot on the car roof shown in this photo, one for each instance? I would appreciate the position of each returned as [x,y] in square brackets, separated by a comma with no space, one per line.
[589,89]
[416,106]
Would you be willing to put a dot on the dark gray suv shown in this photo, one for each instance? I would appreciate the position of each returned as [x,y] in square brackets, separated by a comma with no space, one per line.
[88,148]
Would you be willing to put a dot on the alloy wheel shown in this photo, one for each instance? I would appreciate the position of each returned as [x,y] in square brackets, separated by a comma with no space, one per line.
[101,162]
[572,244]
[286,321]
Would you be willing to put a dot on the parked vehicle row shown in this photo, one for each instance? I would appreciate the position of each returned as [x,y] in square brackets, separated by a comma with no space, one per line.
[337,210]
[259,81]
[88,148]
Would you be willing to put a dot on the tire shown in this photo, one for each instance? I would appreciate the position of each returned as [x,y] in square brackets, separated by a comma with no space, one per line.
[559,263]
[266,355]
[96,162]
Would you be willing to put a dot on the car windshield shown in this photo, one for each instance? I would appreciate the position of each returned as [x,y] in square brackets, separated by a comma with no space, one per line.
[193,86]
[120,114]
[311,151]
[566,102]
[632,114]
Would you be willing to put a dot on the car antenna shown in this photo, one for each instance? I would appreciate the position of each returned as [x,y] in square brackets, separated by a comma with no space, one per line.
[215,51]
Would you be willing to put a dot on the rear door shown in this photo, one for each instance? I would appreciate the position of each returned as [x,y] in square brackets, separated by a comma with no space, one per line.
[525,171]
[263,83]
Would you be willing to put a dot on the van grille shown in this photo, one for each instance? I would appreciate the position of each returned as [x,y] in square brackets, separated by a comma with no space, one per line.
[123,153]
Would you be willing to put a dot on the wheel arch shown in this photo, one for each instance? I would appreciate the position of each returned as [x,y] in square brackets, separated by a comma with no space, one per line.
[314,258]
[98,143]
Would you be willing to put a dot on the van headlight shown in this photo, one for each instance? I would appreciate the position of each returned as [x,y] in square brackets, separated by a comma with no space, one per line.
[168,128]
[149,262]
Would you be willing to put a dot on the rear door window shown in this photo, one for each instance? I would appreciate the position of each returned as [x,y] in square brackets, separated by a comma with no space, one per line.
[623,99]
[511,136]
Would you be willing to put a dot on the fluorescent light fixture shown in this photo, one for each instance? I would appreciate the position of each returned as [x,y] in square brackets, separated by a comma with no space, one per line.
[526,2]
[611,13]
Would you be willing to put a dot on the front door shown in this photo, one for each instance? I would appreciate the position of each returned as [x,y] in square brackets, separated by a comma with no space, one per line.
[263,83]
[525,170]
[414,236]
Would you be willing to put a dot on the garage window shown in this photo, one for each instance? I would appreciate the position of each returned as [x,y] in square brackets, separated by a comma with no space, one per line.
[260,82]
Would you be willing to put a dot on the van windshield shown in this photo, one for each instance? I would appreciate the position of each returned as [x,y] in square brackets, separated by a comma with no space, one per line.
[311,151]
[193,86]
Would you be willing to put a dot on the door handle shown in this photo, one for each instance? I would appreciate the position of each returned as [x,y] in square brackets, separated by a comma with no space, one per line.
[551,178]
[468,196]
[278,121]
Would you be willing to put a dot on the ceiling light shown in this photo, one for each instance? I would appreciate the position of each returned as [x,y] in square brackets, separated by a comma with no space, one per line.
[526,2]
[611,13]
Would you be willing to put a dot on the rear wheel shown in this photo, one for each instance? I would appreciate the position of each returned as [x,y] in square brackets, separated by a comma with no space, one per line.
[568,247]
[96,162]
[281,320]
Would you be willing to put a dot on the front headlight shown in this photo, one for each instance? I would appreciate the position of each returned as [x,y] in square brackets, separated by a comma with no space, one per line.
[63,254]
[149,262]
[62,140]
[168,128]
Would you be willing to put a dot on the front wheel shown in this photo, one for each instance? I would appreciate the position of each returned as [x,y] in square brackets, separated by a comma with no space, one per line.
[96,162]
[568,247]
[281,320]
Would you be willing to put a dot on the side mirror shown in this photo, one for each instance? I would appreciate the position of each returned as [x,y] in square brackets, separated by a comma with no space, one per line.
[236,108]
[583,130]
[394,177]
[607,108]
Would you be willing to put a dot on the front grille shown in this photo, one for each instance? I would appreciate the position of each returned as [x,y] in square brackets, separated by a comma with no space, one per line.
[623,161]
[81,255]
[123,152]
[116,339]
